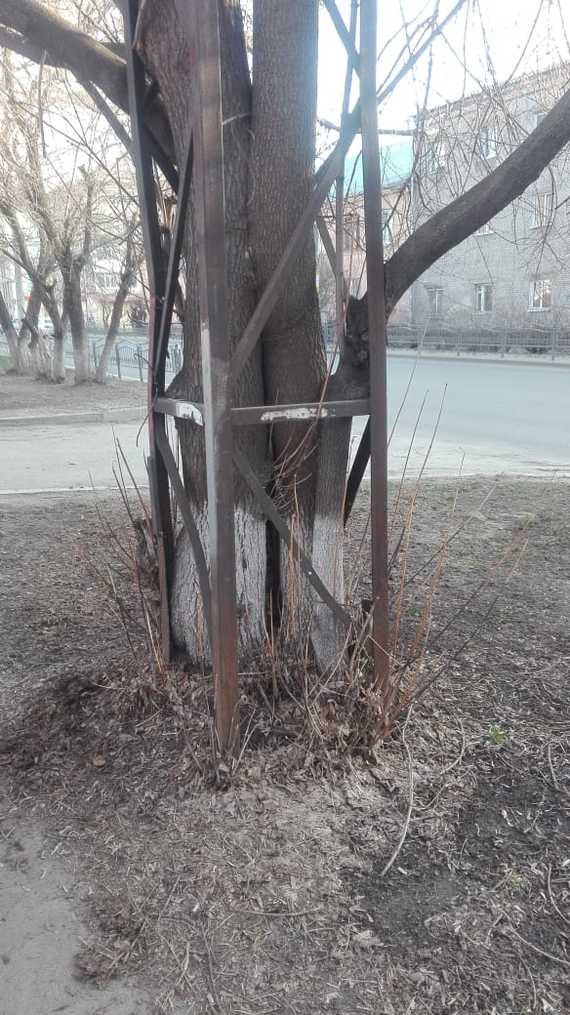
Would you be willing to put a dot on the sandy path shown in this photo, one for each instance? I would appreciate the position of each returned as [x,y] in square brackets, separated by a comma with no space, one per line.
[40,934]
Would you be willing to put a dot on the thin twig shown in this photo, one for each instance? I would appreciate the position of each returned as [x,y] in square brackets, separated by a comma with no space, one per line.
[406,824]
[535,948]
[551,897]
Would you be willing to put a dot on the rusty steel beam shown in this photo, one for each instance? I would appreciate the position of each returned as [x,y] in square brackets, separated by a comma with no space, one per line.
[300,412]
[180,409]
[340,293]
[325,177]
[174,263]
[356,475]
[249,415]
[210,221]
[377,345]
[158,478]
[327,241]
[165,450]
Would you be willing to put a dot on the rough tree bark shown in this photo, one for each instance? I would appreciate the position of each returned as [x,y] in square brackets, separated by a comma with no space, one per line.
[284,109]
[168,47]
[7,325]
[73,309]
[26,330]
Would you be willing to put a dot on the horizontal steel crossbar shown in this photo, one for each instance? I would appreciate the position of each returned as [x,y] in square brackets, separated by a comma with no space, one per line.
[248,415]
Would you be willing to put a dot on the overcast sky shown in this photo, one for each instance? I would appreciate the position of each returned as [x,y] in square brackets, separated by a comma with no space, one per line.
[522,36]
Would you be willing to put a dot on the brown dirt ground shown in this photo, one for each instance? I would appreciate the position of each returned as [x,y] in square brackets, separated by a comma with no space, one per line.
[265,893]
[25,396]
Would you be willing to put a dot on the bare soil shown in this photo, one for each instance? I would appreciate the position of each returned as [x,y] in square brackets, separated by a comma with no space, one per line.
[25,396]
[264,891]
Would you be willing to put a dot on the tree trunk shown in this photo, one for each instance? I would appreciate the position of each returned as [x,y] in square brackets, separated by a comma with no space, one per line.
[309,477]
[25,335]
[58,361]
[10,332]
[125,286]
[169,51]
[51,307]
[73,308]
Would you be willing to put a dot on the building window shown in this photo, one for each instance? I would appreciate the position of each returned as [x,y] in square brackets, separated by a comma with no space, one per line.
[540,295]
[541,213]
[483,297]
[488,142]
[435,298]
[484,229]
[106,279]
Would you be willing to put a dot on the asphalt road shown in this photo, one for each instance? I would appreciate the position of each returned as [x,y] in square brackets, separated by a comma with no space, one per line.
[495,418]
[512,419]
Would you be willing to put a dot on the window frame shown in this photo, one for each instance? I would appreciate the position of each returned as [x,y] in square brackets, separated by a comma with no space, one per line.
[435,299]
[434,153]
[489,151]
[544,282]
[540,219]
[387,231]
[486,290]
[539,117]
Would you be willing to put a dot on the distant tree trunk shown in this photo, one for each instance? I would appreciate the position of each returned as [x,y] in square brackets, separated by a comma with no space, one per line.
[39,352]
[126,284]
[58,362]
[73,308]
[7,325]
[29,323]
[51,307]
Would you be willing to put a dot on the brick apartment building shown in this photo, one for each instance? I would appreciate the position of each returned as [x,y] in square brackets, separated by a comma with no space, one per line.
[509,284]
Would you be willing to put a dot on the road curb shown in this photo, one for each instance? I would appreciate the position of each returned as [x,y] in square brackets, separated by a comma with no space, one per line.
[129,415]
[449,357]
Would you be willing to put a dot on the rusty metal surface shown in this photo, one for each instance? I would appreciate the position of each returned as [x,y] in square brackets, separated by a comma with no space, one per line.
[359,466]
[173,267]
[163,445]
[180,409]
[376,342]
[210,218]
[161,515]
[249,415]
[323,180]
[327,241]
[300,412]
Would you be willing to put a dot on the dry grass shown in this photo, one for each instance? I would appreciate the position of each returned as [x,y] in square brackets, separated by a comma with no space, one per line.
[310,879]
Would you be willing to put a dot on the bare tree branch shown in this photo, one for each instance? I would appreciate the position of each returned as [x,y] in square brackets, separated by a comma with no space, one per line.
[31,29]
[479,204]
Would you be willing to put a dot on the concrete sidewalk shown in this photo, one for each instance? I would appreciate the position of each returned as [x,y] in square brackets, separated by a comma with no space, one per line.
[113,414]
